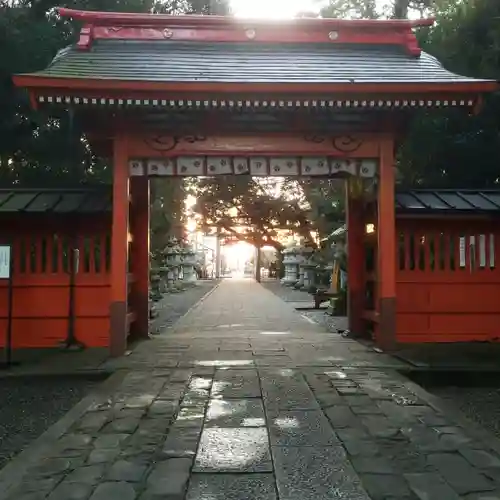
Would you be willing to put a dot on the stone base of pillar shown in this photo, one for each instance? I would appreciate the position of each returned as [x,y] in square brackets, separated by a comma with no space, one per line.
[385,332]
[118,329]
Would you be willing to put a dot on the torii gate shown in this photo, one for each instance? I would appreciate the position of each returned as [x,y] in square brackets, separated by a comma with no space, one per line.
[208,95]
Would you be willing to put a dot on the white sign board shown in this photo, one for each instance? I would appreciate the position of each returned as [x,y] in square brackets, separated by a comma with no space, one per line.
[5,256]
[462,251]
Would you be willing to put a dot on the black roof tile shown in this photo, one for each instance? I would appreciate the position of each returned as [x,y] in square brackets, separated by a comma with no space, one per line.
[55,200]
[171,61]
[17,202]
[448,201]
[99,200]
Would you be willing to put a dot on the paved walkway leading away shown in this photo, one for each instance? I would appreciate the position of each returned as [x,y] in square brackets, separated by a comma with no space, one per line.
[247,400]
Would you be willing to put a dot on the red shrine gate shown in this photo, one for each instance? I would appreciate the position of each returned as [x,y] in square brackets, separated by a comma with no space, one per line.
[209,95]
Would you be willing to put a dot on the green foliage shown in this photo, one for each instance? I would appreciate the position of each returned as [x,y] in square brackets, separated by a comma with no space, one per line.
[35,149]
[205,7]
[448,149]
[167,212]
[352,9]
[326,199]
[374,9]
[451,149]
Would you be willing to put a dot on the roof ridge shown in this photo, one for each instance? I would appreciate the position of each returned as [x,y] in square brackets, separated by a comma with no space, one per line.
[118,25]
[150,19]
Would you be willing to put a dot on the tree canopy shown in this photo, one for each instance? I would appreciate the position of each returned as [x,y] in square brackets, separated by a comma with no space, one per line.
[35,149]
[451,149]
[443,149]
[255,210]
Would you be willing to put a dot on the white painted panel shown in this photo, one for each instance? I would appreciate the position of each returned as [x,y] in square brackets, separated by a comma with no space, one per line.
[472,253]
[135,167]
[315,166]
[352,167]
[5,262]
[219,165]
[338,166]
[482,250]
[160,167]
[368,169]
[190,165]
[462,244]
[284,166]
[492,251]
[258,165]
[241,165]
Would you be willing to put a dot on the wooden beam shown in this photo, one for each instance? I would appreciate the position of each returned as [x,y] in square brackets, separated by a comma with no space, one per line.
[355,260]
[139,222]
[385,335]
[119,249]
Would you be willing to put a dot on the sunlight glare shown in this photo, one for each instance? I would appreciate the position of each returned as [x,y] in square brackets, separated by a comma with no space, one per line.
[272,9]
[191,225]
[286,9]
[238,254]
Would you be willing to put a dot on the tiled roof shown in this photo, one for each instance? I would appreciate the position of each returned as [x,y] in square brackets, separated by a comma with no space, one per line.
[448,201]
[56,201]
[189,61]
[92,200]
[440,202]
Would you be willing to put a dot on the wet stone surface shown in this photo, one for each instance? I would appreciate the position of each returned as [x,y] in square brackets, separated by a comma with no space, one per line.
[235,413]
[316,473]
[234,450]
[302,428]
[232,487]
[197,416]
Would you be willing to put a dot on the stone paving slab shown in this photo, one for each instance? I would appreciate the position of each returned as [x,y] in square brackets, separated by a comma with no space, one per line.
[232,487]
[197,417]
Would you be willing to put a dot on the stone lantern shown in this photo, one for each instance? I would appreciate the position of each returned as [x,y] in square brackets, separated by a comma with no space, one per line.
[308,272]
[291,260]
[304,253]
[172,263]
[188,263]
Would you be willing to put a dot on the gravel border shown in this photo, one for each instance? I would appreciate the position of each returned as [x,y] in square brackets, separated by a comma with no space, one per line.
[32,404]
[15,469]
[333,324]
[286,293]
[443,405]
[175,305]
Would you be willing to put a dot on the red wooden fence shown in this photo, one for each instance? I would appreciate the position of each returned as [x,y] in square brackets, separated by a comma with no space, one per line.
[448,280]
[41,279]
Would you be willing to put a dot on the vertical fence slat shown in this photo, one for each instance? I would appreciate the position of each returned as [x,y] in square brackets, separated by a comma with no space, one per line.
[493,249]
[428,247]
[92,249]
[50,252]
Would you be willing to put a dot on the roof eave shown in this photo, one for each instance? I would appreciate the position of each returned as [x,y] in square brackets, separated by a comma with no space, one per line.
[38,81]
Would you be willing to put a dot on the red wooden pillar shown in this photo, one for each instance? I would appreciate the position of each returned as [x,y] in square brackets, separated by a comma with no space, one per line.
[119,248]
[139,222]
[386,230]
[355,260]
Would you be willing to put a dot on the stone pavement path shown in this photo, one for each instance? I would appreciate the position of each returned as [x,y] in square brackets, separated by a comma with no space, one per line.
[247,400]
